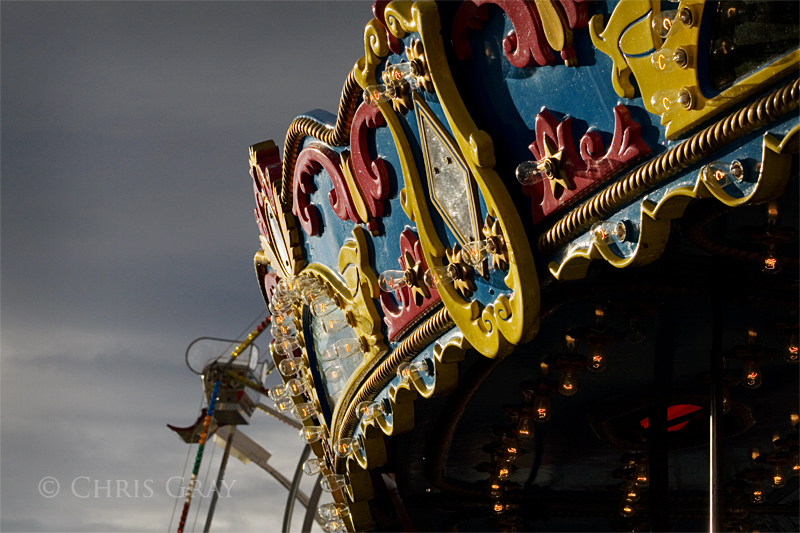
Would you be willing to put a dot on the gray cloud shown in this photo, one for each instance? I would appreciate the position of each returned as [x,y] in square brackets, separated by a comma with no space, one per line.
[127,231]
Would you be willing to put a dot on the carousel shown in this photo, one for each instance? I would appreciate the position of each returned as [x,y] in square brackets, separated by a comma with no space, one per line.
[540,270]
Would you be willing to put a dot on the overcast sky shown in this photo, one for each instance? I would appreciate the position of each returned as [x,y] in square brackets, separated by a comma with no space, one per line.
[127,231]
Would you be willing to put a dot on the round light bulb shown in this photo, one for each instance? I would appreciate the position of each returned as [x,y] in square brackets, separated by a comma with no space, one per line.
[751,374]
[790,353]
[778,476]
[346,446]
[303,411]
[626,508]
[568,384]
[331,511]
[597,358]
[311,434]
[291,366]
[391,280]
[296,387]
[524,428]
[541,408]
[757,491]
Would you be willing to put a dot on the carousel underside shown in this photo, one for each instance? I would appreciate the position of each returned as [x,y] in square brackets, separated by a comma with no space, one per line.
[540,271]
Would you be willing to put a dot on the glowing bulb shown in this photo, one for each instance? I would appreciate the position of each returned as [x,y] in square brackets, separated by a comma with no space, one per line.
[323,306]
[375,94]
[291,366]
[498,508]
[757,491]
[437,275]
[284,405]
[602,232]
[790,354]
[331,511]
[503,473]
[296,387]
[334,526]
[568,384]
[597,358]
[794,463]
[524,428]
[368,410]
[334,373]
[311,434]
[778,476]
[719,173]
[667,60]
[662,22]
[391,280]
[541,408]
[626,509]
[333,482]
[346,348]
[285,346]
[410,371]
[666,100]
[283,330]
[312,466]
[769,262]
[346,446]
[641,475]
[303,411]
[474,253]
[632,492]
[277,392]
[334,321]
[751,374]
[401,72]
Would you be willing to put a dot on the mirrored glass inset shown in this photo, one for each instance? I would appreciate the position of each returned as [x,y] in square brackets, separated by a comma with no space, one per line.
[449,182]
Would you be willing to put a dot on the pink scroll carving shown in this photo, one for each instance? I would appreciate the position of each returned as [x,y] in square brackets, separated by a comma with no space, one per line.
[412,308]
[314,157]
[526,44]
[372,176]
[586,169]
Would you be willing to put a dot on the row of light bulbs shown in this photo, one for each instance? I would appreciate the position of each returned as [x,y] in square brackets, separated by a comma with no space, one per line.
[306,289]
[289,293]
[634,483]
[716,175]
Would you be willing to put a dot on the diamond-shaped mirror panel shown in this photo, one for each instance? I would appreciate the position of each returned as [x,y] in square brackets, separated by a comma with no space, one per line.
[449,182]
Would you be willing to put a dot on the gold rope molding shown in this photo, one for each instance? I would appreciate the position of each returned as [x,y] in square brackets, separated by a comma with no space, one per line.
[672,161]
[306,126]
[429,331]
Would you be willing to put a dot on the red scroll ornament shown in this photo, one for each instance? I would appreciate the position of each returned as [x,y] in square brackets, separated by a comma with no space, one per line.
[372,176]
[400,318]
[588,170]
[526,44]
[368,186]
[313,158]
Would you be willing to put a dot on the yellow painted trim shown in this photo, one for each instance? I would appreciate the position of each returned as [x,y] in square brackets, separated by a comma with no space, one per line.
[656,218]
[494,330]
[657,85]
